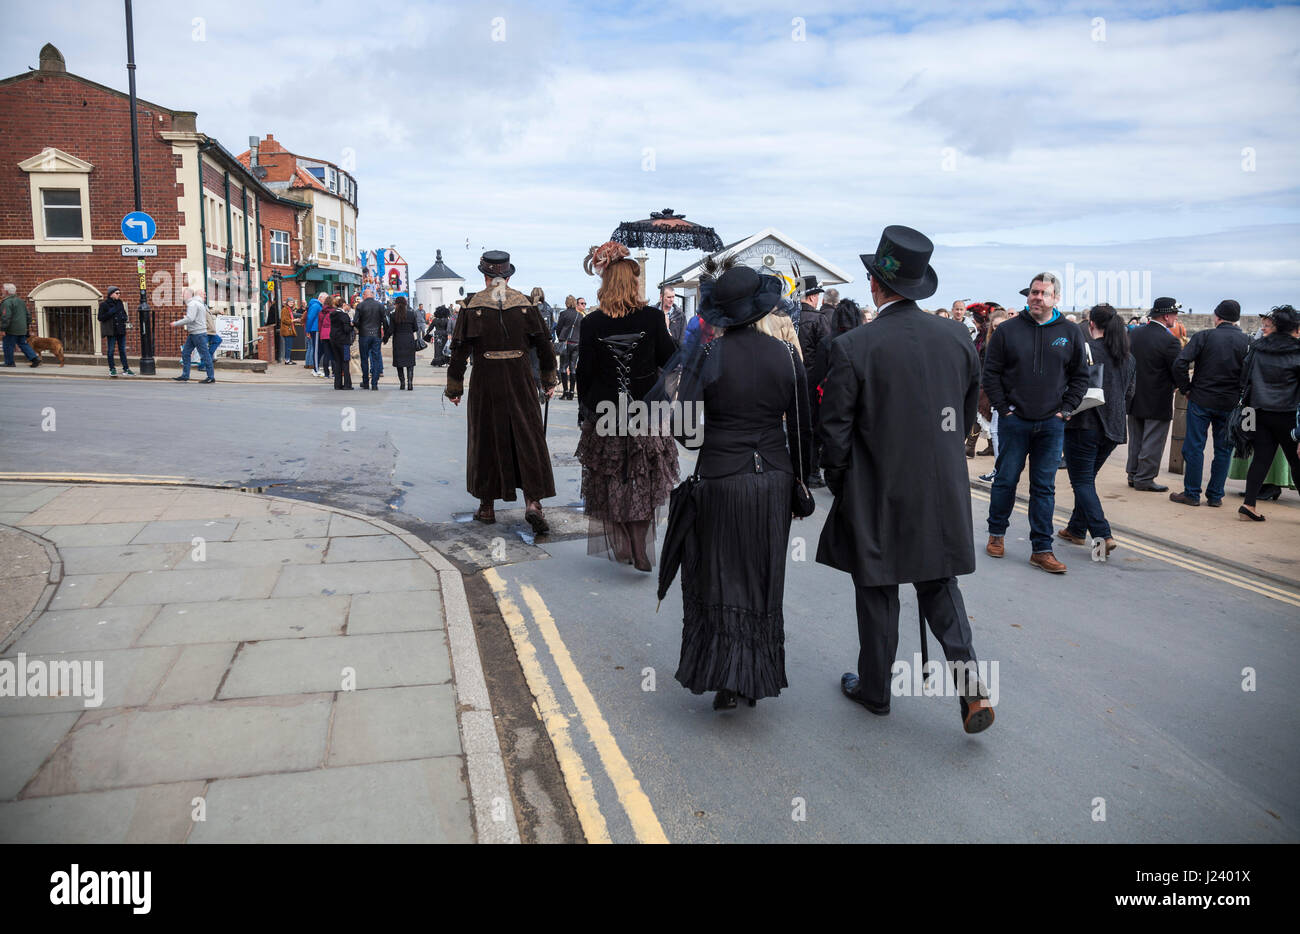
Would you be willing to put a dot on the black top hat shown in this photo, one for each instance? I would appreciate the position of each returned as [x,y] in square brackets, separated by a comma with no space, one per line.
[1025,291]
[496,263]
[902,263]
[1165,306]
[739,296]
[810,286]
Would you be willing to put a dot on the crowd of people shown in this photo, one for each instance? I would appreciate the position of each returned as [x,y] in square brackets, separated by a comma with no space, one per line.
[790,384]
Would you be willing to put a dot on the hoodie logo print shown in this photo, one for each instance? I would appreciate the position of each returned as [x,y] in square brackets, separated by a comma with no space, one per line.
[1061,342]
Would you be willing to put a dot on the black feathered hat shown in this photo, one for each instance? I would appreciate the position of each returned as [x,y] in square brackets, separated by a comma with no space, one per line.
[901,263]
[738,297]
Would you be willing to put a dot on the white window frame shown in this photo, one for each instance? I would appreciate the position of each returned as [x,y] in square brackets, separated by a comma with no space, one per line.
[320,239]
[277,245]
[53,168]
[334,240]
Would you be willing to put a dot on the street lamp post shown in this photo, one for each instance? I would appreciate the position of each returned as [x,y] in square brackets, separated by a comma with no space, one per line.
[147,366]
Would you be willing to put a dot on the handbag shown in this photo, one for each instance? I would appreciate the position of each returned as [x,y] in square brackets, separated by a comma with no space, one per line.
[802,504]
[1095,395]
[1241,439]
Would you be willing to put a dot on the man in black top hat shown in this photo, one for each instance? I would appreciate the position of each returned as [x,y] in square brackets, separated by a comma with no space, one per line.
[902,511]
[505,437]
[1151,410]
[1212,393]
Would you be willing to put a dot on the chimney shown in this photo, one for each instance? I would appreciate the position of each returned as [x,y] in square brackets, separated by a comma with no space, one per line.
[252,151]
[52,59]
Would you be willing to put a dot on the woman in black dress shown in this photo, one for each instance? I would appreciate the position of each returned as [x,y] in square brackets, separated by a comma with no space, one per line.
[756,419]
[629,466]
[406,328]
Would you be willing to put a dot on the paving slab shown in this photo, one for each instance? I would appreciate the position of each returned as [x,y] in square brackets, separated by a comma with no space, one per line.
[358,577]
[193,585]
[105,533]
[85,590]
[107,559]
[247,620]
[217,506]
[368,548]
[196,674]
[152,814]
[163,531]
[299,666]
[130,678]
[86,630]
[25,743]
[224,739]
[30,500]
[338,806]
[261,553]
[399,611]
[315,524]
[346,525]
[389,724]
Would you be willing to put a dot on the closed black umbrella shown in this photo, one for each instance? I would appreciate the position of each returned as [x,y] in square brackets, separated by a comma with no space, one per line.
[664,230]
[682,508]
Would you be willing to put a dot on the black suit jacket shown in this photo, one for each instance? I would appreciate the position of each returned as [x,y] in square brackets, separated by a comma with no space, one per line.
[899,402]
[1154,351]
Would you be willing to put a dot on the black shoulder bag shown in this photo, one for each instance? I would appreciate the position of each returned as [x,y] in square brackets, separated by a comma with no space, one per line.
[1241,439]
[802,504]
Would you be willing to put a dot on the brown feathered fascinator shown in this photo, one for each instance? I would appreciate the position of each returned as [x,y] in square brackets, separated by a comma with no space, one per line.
[599,257]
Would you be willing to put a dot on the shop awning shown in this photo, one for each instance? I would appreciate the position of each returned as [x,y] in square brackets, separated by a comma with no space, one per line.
[316,274]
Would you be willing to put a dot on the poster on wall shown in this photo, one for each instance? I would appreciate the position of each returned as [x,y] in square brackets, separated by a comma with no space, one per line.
[231,331]
[386,272]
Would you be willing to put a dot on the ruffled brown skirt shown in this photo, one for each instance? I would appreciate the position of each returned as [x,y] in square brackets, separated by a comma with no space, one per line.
[624,480]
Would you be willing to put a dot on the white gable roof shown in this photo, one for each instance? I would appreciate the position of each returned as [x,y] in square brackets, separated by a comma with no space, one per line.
[770,242]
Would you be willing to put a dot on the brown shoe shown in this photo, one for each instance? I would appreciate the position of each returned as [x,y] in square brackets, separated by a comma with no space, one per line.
[1047,561]
[987,452]
[994,547]
[1110,545]
[1070,537]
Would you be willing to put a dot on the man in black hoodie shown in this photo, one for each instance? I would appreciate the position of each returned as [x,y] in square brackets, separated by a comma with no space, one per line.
[1035,375]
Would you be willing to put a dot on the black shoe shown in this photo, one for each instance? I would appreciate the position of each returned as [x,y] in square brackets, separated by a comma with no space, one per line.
[1184,499]
[849,685]
[375,385]
[724,700]
[976,714]
[365,385]
[9,364]
[1149,487]
[1252,516]
[36,363]
[210,379]
[1130,481]
[181,379]
[1216,503]
[815,482]
[1270,491]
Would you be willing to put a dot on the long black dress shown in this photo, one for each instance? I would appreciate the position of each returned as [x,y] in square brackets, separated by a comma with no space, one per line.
[733,563]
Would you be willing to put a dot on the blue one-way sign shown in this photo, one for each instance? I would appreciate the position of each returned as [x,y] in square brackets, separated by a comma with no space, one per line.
[138,227]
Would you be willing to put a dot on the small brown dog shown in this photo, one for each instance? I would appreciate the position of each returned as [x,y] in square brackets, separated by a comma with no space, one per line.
[52,344]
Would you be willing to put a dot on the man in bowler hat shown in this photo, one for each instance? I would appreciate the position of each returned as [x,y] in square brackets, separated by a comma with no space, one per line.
[902,509]
[506,439]
[1151,410]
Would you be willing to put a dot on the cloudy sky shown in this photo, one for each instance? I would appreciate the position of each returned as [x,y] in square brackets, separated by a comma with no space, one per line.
[1160,140]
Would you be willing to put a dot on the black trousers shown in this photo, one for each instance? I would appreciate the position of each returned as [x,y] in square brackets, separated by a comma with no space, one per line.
[944,610]
[1271,429]
[342,371]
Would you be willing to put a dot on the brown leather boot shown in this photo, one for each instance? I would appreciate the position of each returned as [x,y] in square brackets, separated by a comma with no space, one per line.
[1070,537]
[994,547]
[970,444]
[1047,561]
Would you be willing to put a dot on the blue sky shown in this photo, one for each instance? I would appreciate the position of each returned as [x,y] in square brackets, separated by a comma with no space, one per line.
[1161,138]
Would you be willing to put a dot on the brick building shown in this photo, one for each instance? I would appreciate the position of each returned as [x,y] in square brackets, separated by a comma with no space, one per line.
[66,182]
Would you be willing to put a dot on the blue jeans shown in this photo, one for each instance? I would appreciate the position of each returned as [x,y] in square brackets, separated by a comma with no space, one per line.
[310,358]
[120,342]
[197,342]
[325,356]
[372,360]
[21,341]
[1086,449]
[1040,442]
[214,341]
[1200,421]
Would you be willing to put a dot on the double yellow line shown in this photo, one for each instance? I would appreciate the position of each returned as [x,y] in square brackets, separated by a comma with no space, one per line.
[636,805]
[1262,588]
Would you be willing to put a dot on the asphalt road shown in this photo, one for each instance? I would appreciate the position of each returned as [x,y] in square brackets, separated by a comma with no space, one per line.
[1120,684]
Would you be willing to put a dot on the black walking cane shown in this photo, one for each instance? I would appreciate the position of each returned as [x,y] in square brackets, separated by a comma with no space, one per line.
[925,649]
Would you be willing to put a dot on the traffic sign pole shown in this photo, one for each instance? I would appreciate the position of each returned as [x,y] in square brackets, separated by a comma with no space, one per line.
[147,365]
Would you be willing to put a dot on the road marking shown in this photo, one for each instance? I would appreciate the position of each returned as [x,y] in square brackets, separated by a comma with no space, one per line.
[556,723]
[639,810]
[1271,591]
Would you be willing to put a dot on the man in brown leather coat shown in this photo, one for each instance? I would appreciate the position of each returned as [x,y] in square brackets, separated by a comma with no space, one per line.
[506,441]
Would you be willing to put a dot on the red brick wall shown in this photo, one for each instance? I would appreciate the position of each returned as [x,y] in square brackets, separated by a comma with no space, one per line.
[51,109]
